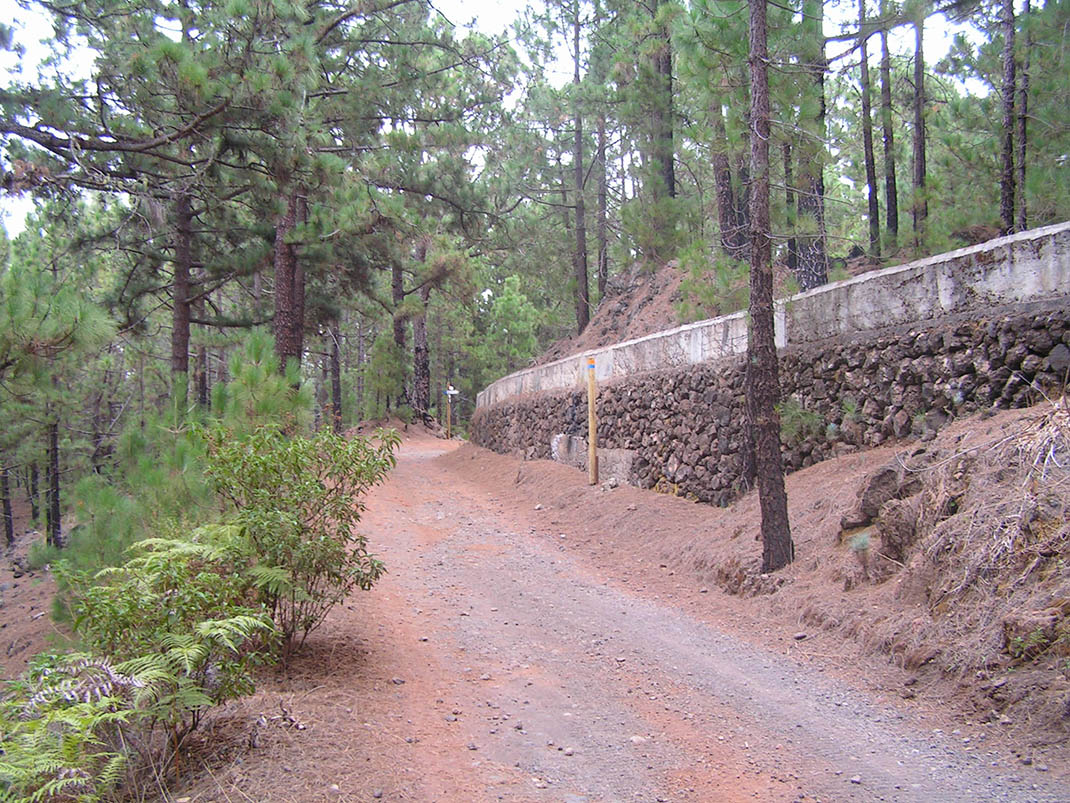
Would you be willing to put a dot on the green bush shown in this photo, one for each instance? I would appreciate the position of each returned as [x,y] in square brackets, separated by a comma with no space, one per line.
[180,614]
[298,501]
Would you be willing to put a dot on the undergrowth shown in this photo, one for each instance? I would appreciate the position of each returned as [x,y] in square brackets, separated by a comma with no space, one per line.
[210,548]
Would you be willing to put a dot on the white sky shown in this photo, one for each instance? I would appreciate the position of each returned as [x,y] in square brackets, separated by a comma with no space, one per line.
[490,17]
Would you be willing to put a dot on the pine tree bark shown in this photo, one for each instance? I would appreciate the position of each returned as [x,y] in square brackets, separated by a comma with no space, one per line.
[733,234]
[421,362]
[891,192]
[32,494]
[664,150]
[789,204]
[287,323]
[873,201]
[1021,221]
[335,335]
[579,255]
[763,391]
[200,362]
[812,268]
[1006,173]
[180,316]
[9,516]
[397,296]
[920,205]
[659,183]
[55,529]
[299,283]
[603,210]
[362,361]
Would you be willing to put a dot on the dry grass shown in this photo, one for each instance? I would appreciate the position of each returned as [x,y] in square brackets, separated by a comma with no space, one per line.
[995,528]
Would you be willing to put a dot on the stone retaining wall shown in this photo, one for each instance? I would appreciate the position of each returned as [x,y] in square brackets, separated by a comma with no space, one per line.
[847,384]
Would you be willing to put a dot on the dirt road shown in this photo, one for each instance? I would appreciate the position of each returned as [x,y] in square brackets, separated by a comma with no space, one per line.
[497,662]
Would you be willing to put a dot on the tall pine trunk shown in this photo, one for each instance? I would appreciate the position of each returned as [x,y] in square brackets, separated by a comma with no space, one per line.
[180,323]
[733,234]
[579,255]
[334,334]
[789,205]
[1023,117]
[32,494]
[9,516]
[287,321]
[891,192]
[920,205]
[763,391]
[603,210]
[660,172]
[200,363]
[812,268]
[421,361]
[873,202]
[54,534]
[1006,173]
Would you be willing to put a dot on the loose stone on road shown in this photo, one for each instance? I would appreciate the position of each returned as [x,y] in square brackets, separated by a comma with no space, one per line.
[533,675]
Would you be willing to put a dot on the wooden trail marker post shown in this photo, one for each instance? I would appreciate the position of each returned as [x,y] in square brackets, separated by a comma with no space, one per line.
[592,426]
[450,393]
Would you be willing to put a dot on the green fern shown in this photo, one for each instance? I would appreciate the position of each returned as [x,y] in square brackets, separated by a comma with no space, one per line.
[58,726]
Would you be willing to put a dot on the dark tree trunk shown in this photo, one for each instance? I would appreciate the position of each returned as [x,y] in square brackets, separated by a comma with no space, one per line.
[920,207]
[891,192]
[663,121]
[662,118]
[421,361]
[733,234]
[362,360]
[1023,116]
[867,139]
[55,529]
[789,204]
[566,218]
[603,211]
[200,363]
[322,420]
[579,255]
[287,322]
[32,494]
[397,296]
[9,516]
[743,190]
[1006,173]
[299,284]
[659,170]
[335,335]
[763,391]
[183,263]
[400,323]
[812,268]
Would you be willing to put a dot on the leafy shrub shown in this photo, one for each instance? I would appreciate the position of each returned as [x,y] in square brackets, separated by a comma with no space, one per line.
[181,614]
[298,501]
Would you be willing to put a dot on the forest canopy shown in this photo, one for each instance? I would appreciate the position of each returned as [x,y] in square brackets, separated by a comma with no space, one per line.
[405,204]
